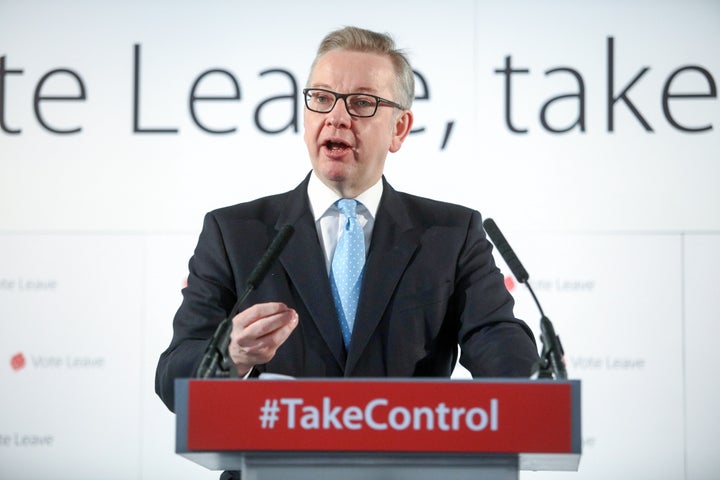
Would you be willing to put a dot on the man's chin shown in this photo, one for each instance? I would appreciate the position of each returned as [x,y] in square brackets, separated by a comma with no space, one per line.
[335,173]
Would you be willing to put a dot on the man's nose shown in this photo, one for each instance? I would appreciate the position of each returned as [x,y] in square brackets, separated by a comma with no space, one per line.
[339,115]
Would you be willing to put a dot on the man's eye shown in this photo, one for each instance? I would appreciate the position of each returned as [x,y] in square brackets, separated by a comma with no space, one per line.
[362,102]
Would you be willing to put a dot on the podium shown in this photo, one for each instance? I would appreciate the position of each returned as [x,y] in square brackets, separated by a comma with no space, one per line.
[379,428]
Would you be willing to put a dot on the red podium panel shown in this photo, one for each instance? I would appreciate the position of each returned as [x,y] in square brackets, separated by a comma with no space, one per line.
[538,421]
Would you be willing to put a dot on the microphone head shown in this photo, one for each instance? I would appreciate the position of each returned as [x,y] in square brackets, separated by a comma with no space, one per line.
[271,254]
[506,252]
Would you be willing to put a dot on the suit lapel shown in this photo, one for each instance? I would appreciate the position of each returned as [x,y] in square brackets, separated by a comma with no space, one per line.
[304,263]
[393,243]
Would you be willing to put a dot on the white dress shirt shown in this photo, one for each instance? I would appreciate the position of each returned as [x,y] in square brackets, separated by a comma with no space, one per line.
[329,220]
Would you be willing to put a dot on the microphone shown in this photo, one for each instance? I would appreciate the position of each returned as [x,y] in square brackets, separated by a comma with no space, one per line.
[504,248]
[216,355]
[551,363]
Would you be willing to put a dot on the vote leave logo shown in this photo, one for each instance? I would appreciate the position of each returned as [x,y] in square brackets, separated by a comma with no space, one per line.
[17,362]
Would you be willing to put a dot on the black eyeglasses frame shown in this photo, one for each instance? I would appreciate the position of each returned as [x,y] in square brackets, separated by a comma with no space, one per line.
[343,96]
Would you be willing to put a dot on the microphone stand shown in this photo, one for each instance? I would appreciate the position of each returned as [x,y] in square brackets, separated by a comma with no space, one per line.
[216,361]
[551,363]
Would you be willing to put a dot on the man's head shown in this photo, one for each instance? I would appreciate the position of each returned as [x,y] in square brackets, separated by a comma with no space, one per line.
[359,40]
[347,150]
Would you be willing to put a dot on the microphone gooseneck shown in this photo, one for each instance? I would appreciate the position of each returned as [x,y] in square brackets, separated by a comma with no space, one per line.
[552,362]
[216,361]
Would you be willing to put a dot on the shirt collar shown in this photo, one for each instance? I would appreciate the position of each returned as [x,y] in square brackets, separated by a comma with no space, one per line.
[322,197]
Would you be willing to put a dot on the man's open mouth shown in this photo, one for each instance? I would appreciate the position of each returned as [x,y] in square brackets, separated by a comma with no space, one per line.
[330,145]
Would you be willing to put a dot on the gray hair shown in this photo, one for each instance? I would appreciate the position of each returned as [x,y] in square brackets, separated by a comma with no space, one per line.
[360,40]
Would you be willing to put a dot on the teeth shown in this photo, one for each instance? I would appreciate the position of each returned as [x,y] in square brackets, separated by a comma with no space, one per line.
[336,145]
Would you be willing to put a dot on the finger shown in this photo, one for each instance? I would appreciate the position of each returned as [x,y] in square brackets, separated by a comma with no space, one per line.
[257,312]
[267,325]
[277,336]
[254,350]
[247,341]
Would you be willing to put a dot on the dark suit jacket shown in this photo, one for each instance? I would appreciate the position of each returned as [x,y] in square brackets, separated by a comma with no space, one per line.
[430,285]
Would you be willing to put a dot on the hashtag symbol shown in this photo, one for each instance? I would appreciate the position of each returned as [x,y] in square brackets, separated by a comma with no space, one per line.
[269,414]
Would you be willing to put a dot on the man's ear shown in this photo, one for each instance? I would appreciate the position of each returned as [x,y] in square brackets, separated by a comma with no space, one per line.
[401,129]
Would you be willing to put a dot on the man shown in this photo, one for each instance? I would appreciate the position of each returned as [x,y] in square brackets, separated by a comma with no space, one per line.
[427,281]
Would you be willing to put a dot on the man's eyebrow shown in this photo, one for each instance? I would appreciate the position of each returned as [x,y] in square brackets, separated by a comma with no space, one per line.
[369,90]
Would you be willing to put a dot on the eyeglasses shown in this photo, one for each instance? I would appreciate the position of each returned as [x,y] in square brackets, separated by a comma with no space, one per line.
[357,104]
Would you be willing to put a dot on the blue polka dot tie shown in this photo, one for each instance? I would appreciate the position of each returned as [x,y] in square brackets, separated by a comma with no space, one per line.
[347,268]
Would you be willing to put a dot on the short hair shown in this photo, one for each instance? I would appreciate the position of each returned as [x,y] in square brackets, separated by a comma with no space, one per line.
[360,40]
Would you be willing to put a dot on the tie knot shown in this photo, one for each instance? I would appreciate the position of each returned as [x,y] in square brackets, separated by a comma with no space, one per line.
[347,206]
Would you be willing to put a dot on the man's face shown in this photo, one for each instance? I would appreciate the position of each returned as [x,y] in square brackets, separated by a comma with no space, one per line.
[348,153]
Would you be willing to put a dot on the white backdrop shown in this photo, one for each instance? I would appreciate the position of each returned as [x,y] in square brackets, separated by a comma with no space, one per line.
[617,219]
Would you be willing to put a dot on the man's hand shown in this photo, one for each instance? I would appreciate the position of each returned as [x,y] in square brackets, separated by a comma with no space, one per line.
[258,332]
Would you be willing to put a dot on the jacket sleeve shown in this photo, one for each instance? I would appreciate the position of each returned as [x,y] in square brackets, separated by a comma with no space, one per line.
[493,342]
[207,299]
